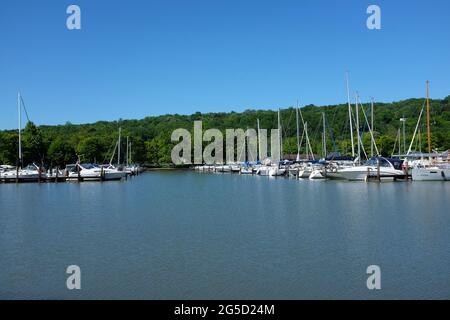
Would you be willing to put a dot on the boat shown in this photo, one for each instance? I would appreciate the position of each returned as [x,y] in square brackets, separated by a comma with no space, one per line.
[317,174]
[305,172]
[276,171]
[223,168]
[235,168]
[31,173]
[431,173]
[93,172]
[435,168]
[376,166]
[246,170]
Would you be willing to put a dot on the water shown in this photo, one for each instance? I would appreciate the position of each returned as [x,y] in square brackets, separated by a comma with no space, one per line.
[184,235]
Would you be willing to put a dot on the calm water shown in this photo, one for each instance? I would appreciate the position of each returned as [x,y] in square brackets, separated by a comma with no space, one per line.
[182,235]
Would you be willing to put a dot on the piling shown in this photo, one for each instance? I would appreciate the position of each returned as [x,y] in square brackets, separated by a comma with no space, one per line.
[378,171]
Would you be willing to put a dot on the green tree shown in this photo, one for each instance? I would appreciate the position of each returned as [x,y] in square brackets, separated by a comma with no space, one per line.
[90,149]
[61,152]
[33,145]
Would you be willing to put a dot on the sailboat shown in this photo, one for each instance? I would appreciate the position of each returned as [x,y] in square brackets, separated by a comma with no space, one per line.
[383,167]
[318,172]
[429,170]
[276,169]
[31,172]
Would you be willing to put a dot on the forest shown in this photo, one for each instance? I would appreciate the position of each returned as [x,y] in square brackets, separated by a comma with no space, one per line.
[151,143]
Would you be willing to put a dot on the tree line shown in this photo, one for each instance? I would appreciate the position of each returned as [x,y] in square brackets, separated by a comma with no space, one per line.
[151,137]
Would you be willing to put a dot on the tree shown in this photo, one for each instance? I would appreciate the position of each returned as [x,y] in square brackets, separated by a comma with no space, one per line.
[61,152]
[8,147]
[386,145]
[33,146]
[89,149]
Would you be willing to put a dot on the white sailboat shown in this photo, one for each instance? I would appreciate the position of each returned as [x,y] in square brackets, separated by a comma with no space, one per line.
[31,172]
[318,172]
[276,170]
[429,169]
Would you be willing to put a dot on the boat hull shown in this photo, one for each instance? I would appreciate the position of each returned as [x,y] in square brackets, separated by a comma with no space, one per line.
[430,174]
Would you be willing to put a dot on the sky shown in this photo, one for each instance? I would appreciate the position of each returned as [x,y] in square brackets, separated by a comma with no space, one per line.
[138,58]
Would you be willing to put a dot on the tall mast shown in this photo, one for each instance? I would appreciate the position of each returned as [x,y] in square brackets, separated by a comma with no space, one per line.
[20,129]
[428,120]
[127,151]
[357,130]
[307,140]
[281,135]
[371,125]
[130,154]
[298,133]
[324,137]
[350,117]
[259,140]
[308,143]
[118,148]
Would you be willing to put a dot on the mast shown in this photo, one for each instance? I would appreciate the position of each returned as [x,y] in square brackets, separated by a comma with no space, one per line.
[308,143]
[428,120]
[307,140]
[280,133]
[403,120]
[371,125]
[350,117]
[259,140]
[324,137]
[298,133]
[130,153]
[118,148]
[20,129]
[127,151]
[357,130]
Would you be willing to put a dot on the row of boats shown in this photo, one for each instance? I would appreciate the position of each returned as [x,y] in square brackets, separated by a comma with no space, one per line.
[380,168]
[431,166]
[74,172]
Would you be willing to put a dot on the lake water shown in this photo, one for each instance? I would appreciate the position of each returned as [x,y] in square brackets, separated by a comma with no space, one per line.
[185,235]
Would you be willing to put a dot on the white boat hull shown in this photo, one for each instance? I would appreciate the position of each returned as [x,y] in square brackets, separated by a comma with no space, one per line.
[304,174]
[361,173]
[317,175]
[430,174]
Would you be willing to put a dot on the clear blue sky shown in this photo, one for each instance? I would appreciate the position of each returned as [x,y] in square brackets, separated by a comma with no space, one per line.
[138,58]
